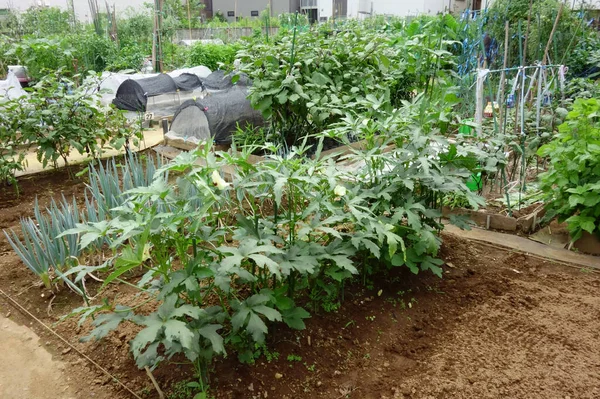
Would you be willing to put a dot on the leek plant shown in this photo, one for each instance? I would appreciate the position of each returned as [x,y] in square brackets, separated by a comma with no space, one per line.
[40,249]
[46,250]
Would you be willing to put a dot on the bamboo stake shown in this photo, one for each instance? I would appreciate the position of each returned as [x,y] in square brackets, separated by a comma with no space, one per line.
[154,38]
[189,19]
[501,101]
[524,59]
[560,11]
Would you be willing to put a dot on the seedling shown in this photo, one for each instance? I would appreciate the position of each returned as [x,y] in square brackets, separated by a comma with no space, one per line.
[294,358]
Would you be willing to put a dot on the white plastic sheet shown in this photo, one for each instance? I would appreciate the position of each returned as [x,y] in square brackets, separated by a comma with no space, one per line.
[11,88]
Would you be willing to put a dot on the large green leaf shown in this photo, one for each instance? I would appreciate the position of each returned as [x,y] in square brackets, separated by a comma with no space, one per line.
[210,332]
[176,330]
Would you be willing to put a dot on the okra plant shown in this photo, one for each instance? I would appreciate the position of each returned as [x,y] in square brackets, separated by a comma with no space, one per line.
[226,255]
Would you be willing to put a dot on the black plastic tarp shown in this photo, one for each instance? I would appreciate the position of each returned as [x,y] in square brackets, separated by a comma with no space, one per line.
[218,80]
[187,82]
[223,111]
[132,95]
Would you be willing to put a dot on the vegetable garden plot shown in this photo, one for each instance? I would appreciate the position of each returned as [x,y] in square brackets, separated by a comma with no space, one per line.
[393,353]
[224,262]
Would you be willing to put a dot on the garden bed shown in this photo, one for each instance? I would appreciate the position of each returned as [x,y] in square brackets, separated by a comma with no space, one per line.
[526,221]
[499,324]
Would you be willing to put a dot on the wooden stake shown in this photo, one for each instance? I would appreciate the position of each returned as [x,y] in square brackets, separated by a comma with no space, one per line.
[560,11]
[161,395]
[189,19]
[155,31]
[524,60]
[501,101]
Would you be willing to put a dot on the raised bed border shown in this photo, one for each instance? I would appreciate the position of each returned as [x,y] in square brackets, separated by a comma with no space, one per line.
[494,221]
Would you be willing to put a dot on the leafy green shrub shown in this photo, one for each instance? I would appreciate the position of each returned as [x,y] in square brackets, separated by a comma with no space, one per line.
[11,139]
[93,52]
[136,30]
[585,53]
[130,57]
[219,17]
[58,117]
[63,117]
[6,44]
[45,21]
[303,85]
[572,182]
[212,55]
[44,55]
[581,88]
[279,231]
[175,56]
[73,54]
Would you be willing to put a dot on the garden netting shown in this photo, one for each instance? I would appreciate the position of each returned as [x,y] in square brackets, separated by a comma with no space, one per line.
[217,116]
[219,80]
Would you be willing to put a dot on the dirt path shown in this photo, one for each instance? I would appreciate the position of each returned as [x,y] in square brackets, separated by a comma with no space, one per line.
[27,369]
[538,339]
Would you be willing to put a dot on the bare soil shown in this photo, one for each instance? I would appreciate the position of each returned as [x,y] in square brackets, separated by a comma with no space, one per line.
[29,372]
[498,325]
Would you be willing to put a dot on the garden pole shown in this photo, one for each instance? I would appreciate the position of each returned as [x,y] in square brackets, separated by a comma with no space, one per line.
[560,11]
[523,160]
[292,59]
[505,183]
[189,19]
[539,42]
[501,101]
[521,55]
[538,108]
[524,58]
[267,28]
[562,61]
[491,93]
[154,37]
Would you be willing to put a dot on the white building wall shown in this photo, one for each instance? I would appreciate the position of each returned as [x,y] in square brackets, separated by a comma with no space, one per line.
[325,9]
[407,7]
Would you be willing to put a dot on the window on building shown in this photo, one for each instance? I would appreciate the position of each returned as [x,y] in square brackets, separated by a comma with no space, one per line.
[254,13]
[231,13]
